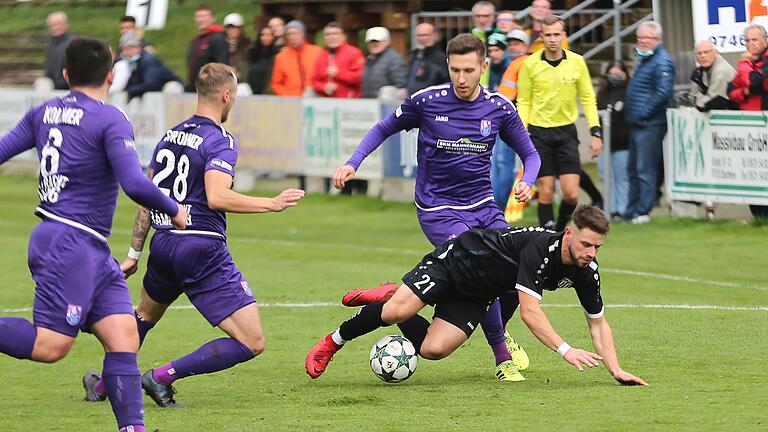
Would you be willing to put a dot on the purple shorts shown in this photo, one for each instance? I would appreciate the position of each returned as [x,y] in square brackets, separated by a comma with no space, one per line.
[77,282]
[442,225]
[200,267]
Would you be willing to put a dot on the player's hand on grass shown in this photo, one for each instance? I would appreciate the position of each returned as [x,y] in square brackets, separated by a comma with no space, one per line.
[342,176]
[627,378]
[180,220]
[579,357]
[287,198]
[522,192]
[129,267]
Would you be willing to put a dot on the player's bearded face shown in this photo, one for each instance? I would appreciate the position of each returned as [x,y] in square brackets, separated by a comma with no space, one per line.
[584,246]
[465,71]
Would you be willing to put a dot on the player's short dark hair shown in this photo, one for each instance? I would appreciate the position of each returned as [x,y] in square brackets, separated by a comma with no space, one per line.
[88,61]
[212,77]
[552,20]
[592,217]
[204,7]
[466,43]
[128,18]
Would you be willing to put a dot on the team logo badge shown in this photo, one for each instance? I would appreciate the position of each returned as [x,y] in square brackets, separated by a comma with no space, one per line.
[246,288]
[485,127]
[73,314]
[565,283]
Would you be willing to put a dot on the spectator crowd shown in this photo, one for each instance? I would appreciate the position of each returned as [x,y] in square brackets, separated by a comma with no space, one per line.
[283,60]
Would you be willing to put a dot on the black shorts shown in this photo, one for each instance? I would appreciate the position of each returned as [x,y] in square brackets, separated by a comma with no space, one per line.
[431,282]
[558,148]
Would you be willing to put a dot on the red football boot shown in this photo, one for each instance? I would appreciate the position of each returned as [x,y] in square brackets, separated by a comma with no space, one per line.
[320,355]
[362,297]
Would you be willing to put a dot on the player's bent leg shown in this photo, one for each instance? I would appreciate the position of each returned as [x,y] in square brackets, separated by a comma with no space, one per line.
[17,337]
[442,339]
[403,305]
[149,310]
[245,326]
[51,346]
[121,376]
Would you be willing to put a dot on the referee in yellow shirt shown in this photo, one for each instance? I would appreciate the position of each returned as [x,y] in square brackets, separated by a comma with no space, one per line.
[549,81]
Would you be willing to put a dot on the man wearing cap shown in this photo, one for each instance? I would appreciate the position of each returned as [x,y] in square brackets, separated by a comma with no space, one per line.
[208,46]
[384,66]
[237,44]
[339,69]
[147,72]
[295,64]
[428,63]
[517,48]
[497,49]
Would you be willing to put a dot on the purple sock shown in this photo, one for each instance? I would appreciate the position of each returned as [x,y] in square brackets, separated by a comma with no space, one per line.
[144,328]
[494,333]
[17,337]
[123,383]
[212,357]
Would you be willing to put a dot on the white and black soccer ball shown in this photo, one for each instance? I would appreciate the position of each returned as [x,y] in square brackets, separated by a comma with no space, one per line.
[393,359]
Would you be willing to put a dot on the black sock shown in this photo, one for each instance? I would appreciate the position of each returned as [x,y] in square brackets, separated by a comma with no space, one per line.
[363,322]
[509,302]
[589,187]
[415,330]
[566,210]
[546,215]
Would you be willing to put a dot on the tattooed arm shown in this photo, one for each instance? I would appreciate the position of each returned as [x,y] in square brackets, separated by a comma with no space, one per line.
[140,230]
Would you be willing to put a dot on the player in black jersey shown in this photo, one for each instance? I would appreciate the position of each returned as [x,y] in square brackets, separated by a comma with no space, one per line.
[463,276]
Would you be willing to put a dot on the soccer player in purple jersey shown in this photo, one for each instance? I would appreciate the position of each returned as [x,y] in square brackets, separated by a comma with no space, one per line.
[85,148]
[195,164]
[458,123]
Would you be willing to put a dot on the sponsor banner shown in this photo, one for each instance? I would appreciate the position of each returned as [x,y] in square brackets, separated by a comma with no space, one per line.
[399,150]
[16,102]
[332,130]
[720,157]
[723,21]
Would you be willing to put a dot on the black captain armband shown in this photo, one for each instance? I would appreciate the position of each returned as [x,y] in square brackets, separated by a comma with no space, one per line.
[596,131]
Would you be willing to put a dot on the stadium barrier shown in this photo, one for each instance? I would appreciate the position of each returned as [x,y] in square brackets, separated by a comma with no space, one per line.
[718,157]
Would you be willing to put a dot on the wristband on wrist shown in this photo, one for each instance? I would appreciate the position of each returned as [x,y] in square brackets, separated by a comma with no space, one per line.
[563,348]
[134,254]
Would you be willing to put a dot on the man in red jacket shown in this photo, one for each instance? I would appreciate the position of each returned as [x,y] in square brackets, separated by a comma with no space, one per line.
[208,46]
[339,69]
[750,87]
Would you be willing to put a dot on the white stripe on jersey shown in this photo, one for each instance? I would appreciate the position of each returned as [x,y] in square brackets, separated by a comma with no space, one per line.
[452,207]
[593,265]
[227,135]
[528,291]
[71,223]
[198,232]
[435,87]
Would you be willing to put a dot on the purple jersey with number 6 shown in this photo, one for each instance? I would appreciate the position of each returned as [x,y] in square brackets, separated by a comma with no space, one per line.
[179,163]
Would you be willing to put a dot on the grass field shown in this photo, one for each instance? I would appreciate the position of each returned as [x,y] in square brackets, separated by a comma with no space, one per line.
[706,365]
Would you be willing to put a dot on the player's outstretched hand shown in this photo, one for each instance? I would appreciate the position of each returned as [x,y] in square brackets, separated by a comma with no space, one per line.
[579,357]
[522,192]
[342,176]
[129,267]
[180,220]
[287,198]
[628,379]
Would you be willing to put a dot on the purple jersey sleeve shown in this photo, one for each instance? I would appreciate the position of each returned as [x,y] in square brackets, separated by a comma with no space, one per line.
[18,139]
[121,152]
[514,134]
[222,156]
[405,117]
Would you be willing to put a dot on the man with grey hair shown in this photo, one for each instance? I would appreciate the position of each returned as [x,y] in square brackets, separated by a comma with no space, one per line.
[483,17]
[648,97]
[710,78]
[58,28]
[383,66]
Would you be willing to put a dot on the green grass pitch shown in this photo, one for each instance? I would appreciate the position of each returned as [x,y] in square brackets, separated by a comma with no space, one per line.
[706,365]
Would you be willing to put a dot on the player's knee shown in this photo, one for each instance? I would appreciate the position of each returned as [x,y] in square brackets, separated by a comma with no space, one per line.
[51,354]
[392,314]
[432,351]
[256,344]
[571,196]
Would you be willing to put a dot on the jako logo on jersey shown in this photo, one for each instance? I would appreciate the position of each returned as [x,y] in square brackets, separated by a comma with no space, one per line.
[564,283]
[756,9]
[73,314]
[440,118]
[485,127]
[246,288]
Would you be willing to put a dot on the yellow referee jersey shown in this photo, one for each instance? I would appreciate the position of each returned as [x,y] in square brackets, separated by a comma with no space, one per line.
[546,94]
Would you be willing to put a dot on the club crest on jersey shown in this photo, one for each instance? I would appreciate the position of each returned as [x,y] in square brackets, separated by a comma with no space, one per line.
[564,283]
[73,314]
[246,288]
[485,127]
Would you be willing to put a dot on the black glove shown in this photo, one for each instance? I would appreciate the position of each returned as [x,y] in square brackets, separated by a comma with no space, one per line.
[697,76]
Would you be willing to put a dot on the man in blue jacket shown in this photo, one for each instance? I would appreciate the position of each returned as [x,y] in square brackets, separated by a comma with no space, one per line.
[148,73]
[648,96]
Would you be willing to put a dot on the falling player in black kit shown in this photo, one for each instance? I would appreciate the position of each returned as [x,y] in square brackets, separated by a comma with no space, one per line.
[463,276]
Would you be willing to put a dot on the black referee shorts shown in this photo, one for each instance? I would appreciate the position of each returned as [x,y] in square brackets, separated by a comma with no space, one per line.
[430,280]
[558,148]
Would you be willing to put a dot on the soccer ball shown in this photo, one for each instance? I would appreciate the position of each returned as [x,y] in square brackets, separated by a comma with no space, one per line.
[393,359]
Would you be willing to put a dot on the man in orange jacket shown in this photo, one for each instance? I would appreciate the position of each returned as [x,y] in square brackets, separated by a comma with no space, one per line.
[339,69]
[294,65]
